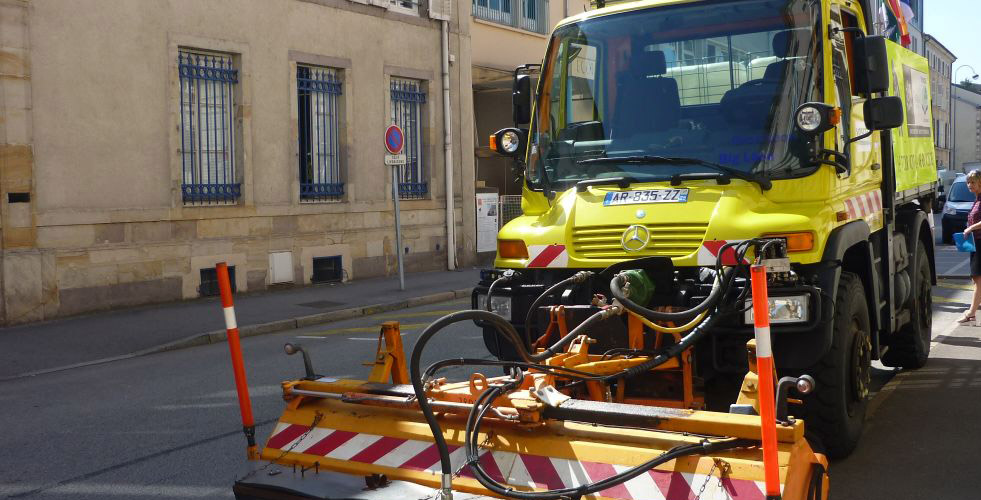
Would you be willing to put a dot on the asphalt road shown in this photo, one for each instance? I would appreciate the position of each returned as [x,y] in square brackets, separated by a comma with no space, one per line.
[167,426]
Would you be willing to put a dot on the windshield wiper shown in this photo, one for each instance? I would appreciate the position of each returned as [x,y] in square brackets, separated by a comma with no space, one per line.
[621,182]
[764,183]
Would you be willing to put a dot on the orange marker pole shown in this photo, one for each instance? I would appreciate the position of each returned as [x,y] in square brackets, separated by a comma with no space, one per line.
[238,366]
[764,361]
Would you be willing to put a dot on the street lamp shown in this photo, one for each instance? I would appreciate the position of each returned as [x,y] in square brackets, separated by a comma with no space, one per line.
[962,66]
[953,116]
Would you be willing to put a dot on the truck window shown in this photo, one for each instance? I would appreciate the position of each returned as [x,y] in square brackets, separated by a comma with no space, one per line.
[717,82]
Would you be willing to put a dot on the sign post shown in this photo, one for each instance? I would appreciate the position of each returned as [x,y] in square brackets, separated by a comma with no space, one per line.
[394,142]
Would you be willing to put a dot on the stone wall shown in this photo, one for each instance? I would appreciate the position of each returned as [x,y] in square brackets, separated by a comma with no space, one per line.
[91,136]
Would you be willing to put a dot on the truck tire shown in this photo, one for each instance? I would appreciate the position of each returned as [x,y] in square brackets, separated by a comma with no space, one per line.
[910,346]
[835,411]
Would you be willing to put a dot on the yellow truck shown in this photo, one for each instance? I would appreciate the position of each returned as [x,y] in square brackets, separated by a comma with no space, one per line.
[676,129]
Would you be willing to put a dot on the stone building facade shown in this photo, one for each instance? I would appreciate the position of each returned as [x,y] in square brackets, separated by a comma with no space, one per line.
[966,114]
[111,197]
[941,63]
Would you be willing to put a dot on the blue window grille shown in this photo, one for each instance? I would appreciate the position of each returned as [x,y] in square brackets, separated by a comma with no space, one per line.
[408,98]
[318,93]
[208,128]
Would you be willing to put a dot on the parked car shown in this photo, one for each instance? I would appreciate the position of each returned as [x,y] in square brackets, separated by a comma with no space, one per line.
[959,202]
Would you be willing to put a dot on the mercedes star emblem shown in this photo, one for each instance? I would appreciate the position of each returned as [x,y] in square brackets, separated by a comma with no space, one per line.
[635,238]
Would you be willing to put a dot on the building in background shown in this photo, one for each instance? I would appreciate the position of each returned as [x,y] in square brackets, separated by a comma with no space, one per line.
[966,113]
[506,34]
[941,63]
[143,142]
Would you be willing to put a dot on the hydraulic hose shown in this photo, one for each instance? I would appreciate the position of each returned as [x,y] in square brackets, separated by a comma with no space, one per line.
[483,404]
[616,288]
[507,276]
[503,328]
[670,352]
[577,278]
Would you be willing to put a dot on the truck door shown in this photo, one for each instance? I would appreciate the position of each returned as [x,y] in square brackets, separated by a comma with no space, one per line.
[865,162]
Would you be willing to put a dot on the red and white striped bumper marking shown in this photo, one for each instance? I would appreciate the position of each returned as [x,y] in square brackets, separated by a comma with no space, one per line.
[863,205]
[511,468]
[709,250]
[547,256]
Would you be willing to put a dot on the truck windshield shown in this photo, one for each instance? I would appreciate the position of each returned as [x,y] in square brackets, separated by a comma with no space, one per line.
[713,82]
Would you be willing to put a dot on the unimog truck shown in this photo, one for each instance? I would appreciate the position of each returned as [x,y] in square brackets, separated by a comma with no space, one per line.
[673,129]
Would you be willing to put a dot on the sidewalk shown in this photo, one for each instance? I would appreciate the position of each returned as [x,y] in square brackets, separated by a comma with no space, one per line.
[52,345]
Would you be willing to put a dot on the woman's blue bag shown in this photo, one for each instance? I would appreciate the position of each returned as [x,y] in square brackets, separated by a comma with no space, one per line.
[964,244]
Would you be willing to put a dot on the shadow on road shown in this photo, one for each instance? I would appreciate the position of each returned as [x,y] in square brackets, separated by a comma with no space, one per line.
[922,442]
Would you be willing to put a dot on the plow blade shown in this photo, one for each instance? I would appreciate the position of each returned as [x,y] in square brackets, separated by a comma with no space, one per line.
[335,447]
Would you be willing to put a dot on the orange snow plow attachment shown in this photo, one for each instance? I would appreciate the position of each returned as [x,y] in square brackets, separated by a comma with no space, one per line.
[369,439]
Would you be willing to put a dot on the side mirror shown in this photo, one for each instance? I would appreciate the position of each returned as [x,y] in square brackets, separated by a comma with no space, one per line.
[521,99]
[871,65]
[942,199]
[883,113]
[509,141]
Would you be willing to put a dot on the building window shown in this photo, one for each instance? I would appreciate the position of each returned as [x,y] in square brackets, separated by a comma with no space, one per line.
[408,99]
[318,94]
[530,15]
[410,7]
[208,145]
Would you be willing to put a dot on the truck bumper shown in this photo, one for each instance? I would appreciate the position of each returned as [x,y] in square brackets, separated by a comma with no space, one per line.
[796,346]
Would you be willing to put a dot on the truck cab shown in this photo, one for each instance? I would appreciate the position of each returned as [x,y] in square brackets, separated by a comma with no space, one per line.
[674,130]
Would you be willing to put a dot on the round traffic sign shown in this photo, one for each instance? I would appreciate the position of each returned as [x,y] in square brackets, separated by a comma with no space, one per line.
[394,139]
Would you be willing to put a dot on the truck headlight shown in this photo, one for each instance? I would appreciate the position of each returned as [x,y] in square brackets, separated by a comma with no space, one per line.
[949,210]
[789,309]
[499,304]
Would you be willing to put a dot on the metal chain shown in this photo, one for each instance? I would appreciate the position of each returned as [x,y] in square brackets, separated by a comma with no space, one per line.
[317,417]
[724,470]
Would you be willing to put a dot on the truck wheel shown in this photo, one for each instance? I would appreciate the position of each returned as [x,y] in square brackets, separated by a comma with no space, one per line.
[835,411]
[910,347]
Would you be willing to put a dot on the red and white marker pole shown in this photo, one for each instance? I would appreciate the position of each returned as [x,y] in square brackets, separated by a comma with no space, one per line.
[238,366]
[764,363]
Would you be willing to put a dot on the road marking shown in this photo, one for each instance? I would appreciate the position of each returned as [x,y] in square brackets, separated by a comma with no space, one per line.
[356,329]
[958,267]
[947,284]
[947,300]
[441,312]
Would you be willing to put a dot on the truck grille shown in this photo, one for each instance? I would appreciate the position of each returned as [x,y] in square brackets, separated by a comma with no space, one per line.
[667,240]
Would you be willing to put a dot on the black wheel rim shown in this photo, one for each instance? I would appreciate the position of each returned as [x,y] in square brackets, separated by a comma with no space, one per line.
[924,307]
[860,367]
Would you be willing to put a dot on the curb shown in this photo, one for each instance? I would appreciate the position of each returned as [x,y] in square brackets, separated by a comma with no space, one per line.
[217,336]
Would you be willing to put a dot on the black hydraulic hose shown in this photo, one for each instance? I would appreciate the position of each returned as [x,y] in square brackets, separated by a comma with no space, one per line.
[556,370]
[483,404]
[507,276]
[616,288]
[670,352]
[504,328]
[574,279]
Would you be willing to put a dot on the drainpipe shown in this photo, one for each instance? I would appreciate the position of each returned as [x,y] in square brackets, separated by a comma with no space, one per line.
[448,150]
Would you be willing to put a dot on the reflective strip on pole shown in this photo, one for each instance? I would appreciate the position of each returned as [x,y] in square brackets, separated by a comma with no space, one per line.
[764,363]
[238,366]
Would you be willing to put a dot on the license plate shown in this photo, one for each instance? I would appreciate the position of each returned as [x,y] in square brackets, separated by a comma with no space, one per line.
[645,196]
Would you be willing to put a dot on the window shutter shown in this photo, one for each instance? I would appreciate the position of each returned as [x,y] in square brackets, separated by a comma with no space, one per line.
[440,9]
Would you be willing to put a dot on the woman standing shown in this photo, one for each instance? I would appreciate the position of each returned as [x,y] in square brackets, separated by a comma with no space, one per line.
[974,225]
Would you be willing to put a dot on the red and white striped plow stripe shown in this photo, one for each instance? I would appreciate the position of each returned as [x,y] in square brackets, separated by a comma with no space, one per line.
[547,256]
[863,205]
[709,250]
[511,468]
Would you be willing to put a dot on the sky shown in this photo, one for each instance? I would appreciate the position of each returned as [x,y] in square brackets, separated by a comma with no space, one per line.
[955,24]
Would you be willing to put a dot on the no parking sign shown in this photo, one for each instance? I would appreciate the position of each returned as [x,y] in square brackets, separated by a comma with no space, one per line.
[394,142]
